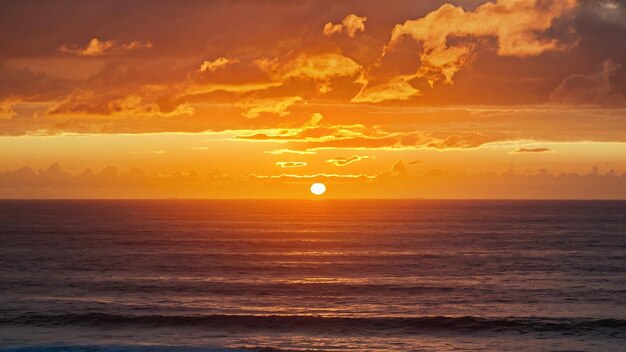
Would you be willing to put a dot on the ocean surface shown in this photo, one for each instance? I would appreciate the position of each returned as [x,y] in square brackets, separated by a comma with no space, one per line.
[329,275]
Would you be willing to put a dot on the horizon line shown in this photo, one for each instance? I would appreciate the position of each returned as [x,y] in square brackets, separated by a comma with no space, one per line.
[310,199]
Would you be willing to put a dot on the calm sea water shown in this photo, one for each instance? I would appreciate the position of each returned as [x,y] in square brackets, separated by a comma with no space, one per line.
[312,275]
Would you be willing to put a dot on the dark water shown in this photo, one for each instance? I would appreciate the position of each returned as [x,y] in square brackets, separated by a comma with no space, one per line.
[312,275]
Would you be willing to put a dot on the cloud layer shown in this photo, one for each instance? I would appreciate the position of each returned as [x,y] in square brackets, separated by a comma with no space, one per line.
[286,92]
[396,182]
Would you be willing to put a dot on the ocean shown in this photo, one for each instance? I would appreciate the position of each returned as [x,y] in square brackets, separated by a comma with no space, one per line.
[309,275]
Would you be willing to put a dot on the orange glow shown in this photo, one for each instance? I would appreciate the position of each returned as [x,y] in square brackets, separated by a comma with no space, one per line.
[500,99]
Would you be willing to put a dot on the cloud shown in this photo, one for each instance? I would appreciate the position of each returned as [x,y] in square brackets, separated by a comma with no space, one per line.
[21,83]
[448,35]
[396,182]
[55,178]
[532,150]
[320,68]
[592,88]
[226,75]
[278,106]
[216,64]
[462,141]
[326,136]
[328,177]
[315,119]
[341,161]
[6,109]
[300,61]
[289,164]
[230,87]
[86,103]
[398,170]
[397,88]
[312,133]
[609,11]
[330,29]
[289,151]
[97,47]
[351,23]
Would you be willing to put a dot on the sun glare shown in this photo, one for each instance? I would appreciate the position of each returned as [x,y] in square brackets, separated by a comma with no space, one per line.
[318,189]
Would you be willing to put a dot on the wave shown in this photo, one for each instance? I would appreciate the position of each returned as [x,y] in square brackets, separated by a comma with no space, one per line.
[332,325]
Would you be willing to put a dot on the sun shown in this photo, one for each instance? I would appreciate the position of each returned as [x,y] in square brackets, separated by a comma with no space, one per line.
[318,189]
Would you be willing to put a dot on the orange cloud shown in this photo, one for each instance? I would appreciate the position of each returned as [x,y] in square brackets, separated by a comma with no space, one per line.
[341,161]
[278,106]
[216,64]
[517,25]
[532,150]
[462,141]
[226,75]
[134,105]
[351,23]
[330,29]
[86,103]
[320,68]
[289,151]
[325,136]
[194,89]
[288,177]
[288,164]
[97,47]
[6,109]
[397,88]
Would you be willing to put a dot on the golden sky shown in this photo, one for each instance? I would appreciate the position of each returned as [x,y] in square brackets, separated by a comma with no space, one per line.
[258,99]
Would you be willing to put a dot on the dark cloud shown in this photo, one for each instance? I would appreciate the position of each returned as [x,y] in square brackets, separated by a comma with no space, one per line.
[26,85]
[592,88]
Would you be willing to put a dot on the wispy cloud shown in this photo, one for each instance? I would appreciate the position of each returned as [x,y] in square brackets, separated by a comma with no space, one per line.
[278,106]
[289,151]
[289,164]
[342,161]
[532,150]
[216,64]
[97,47]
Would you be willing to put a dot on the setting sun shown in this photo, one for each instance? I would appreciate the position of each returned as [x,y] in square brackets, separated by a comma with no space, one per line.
[318,189]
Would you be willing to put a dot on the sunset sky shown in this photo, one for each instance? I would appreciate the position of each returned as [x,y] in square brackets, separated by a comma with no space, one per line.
[259,99]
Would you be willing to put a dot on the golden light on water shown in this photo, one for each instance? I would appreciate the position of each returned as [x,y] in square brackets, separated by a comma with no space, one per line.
[318,189]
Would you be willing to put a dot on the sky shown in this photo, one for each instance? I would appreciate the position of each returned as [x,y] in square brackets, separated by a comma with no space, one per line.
[259,99]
